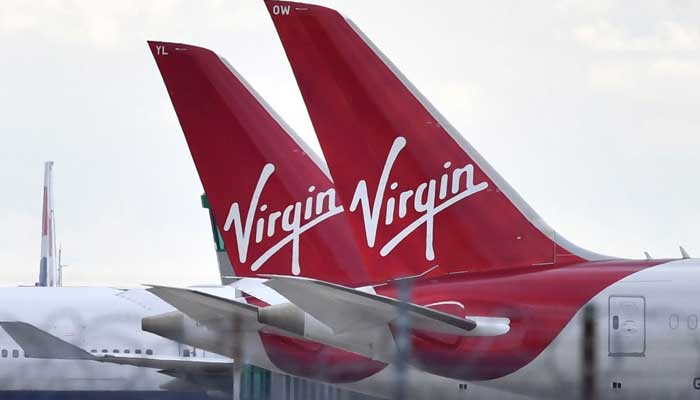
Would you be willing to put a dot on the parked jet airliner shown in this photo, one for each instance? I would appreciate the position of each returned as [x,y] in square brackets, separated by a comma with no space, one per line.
[63,342]
[89,339]
[498,296]
[230,128]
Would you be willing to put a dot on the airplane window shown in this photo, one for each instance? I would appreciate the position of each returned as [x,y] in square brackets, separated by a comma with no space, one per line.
[115,351]
[93,351]
[692,321]
[105,351]
[149,352]
[127,351]
[4,353]
[673,321]
[15,353]
[186,353]
[137,351]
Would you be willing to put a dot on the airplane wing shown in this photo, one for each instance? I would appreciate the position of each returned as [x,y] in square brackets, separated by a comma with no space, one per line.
[345,309]
[37,343]
[170,363]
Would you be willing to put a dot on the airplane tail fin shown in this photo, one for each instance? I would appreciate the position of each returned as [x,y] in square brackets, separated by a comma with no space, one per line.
[418,194]
[48,267]
[275,207]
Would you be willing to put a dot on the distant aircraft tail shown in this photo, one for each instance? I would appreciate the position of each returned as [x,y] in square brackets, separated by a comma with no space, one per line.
[418,194]
[277,210]
[48,267]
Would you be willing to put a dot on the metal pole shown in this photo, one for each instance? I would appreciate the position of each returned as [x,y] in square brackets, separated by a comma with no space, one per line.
[403,339]
[588,343]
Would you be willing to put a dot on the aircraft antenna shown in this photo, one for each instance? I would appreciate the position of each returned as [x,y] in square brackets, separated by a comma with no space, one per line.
[61,265]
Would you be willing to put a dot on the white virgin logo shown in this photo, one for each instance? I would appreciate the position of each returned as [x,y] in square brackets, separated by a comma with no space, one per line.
[424,199]
[295,219]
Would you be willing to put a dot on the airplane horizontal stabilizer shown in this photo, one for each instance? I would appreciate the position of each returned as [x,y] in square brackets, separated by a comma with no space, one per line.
[284,319]
[209,309]
[345,309]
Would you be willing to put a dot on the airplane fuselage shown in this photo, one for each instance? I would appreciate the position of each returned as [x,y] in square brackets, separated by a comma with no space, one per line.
[645,340]
[101,321]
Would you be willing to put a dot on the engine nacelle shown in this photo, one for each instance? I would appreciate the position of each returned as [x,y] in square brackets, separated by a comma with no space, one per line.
[179,327]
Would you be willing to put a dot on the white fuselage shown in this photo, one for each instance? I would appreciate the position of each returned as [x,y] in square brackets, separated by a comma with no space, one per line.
[651,351]
[99,321]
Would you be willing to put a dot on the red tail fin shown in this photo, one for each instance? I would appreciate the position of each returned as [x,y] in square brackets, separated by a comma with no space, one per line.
[275,207]
[417,193]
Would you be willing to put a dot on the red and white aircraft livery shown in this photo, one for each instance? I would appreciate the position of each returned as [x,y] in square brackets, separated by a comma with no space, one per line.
[225,121]
[274,201]
[497,295]
[48,266]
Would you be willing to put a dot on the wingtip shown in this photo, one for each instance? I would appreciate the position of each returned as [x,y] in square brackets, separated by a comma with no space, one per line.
[156,288]
[684,253]
[151,286]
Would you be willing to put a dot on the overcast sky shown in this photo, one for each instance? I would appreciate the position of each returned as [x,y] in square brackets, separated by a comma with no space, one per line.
[588,108]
